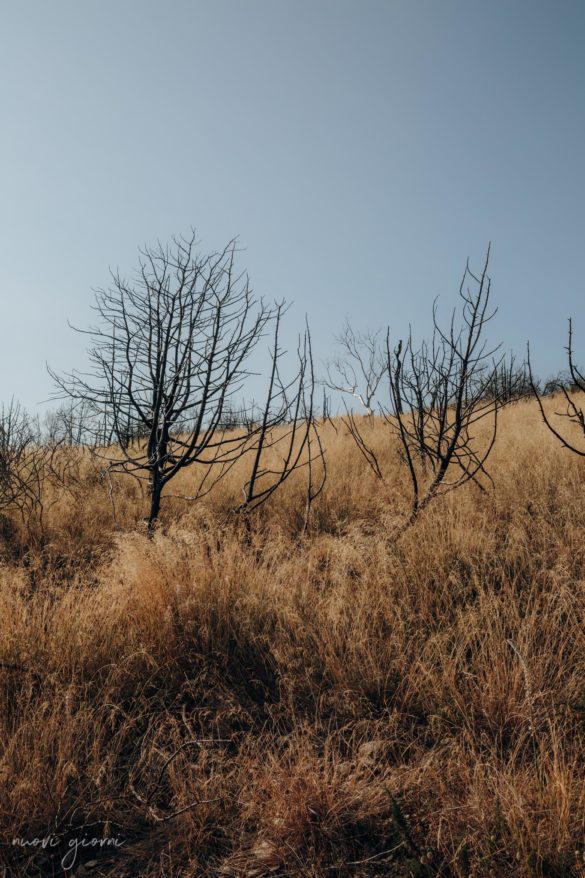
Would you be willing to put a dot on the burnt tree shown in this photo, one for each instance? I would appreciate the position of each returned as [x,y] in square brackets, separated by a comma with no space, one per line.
[169,354]
[568,387]
[439,394]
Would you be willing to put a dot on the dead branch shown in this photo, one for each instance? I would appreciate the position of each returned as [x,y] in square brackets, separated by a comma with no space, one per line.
[573,412]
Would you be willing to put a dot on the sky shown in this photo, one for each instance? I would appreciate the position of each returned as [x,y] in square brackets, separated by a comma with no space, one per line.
[361,151]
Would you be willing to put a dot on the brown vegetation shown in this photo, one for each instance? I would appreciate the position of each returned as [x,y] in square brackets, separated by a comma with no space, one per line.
[266,698]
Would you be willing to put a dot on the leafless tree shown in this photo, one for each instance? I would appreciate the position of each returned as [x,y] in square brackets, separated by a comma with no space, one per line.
[568,386]
[326,410]
[287,424]
[509,381]
[556,383]
[68,442]
[439,393]
[169,355]
[70,424]
[326,406]
[359,367]
[21,461]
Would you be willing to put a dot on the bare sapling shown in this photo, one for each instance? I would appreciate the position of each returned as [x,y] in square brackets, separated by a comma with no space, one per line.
[440,393]
[570,393]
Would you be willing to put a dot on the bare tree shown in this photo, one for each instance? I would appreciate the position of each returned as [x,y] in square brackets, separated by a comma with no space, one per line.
[509,381]
[278,438]
[439,394]
[68,440]
[287,423]
[70,424]
[168,357]
[21,461]
[359,367]
[567,385]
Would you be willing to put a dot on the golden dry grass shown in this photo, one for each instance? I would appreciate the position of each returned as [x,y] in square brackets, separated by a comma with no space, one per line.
[331,703]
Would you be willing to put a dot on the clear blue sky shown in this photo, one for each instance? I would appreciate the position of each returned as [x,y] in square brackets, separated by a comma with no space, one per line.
[361,151]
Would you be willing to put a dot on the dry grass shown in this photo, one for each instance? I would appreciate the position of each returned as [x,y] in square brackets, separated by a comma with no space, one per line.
[328,704]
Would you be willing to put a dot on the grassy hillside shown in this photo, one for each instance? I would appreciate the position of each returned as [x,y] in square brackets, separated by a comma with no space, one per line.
[231,701]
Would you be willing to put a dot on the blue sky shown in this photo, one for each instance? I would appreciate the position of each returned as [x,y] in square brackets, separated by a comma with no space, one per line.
[361,150]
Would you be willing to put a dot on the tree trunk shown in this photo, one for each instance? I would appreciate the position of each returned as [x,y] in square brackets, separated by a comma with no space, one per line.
[155,494]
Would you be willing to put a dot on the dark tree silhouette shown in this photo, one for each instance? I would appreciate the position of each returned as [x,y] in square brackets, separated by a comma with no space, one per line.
[567,386]
[169,355]
[21,461]
[439,393]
